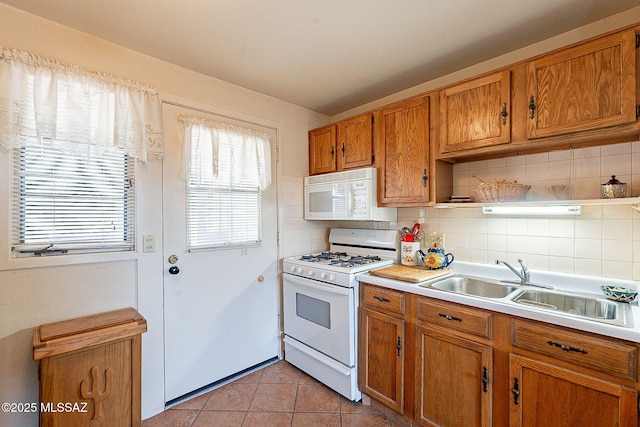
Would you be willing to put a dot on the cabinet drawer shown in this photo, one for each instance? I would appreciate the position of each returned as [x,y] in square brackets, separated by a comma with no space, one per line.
[455,316]
[386,299]
[605,355]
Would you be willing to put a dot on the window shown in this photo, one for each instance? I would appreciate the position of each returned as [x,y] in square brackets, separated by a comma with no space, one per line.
[225,164]
[75,135]
[65,203]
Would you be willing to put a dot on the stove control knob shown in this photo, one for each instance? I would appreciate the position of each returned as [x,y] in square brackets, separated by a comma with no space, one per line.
[299,270]
[332,277]
[293,268]
[311,272]
[323,276]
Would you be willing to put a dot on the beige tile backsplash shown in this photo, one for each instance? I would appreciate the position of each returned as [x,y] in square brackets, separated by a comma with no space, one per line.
[603,241]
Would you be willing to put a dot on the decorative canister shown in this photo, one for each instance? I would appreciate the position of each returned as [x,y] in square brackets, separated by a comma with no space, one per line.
[409,252]
[614,189]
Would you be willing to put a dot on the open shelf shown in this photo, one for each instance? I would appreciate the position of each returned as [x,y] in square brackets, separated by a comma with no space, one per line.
[603,202]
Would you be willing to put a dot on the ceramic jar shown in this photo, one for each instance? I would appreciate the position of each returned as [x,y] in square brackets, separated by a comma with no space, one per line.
[614,189]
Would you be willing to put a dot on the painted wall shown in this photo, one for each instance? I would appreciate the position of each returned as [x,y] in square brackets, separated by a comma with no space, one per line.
[35,293]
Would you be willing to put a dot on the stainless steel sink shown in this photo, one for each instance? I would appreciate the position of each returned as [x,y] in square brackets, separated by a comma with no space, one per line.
[473,286]
[595,308]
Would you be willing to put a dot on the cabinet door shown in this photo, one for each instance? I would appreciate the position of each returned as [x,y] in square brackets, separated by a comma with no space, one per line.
[543,394]
[476,113]
[454,380]
[355,142]
[382,358]
[405,153]
[587,87]
[322,150]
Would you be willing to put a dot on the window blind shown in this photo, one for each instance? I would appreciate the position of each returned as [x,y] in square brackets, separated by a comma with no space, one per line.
[65,203]
[223,206]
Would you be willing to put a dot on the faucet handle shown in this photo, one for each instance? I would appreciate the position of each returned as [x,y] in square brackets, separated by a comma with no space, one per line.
[525,271]
[524,267]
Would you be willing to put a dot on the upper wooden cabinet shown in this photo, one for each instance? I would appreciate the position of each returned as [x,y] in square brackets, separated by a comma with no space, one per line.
[322,150]
[355,142]
[476,113]
[586,87]
[404,150]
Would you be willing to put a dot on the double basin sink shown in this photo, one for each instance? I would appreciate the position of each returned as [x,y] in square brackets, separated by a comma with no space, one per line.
[591,307]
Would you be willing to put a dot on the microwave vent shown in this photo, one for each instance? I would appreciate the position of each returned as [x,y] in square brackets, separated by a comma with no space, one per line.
[364,173]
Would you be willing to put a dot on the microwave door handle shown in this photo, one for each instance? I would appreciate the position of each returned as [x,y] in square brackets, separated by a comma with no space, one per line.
[350,200]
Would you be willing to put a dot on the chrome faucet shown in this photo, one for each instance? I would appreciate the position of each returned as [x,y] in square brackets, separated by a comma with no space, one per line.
[523,275]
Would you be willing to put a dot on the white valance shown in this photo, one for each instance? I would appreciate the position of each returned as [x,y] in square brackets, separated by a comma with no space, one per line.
[249,159]
[44,100]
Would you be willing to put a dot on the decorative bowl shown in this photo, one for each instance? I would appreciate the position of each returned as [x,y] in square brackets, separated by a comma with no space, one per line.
[617,293]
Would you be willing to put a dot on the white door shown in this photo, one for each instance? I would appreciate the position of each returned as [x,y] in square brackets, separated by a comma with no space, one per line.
[220,309]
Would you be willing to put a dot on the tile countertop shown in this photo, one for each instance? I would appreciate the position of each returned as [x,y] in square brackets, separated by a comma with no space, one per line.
[559,281]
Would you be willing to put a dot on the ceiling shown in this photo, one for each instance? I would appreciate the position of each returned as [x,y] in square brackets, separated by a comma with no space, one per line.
[325,55]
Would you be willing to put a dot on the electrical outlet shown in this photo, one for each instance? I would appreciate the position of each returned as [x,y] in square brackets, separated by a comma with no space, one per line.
[149,243]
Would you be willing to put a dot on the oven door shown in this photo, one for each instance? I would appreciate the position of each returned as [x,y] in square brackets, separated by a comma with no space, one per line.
[321,316]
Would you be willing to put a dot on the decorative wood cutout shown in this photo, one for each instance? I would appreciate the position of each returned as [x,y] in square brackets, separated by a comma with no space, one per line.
[94,392]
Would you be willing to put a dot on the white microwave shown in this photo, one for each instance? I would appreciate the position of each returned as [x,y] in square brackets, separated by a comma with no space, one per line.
[348,195]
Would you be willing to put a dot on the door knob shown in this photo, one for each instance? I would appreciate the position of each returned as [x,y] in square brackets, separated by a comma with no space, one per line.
[174,270]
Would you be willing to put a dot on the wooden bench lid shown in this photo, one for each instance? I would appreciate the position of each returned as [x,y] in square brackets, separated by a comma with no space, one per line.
[74,334]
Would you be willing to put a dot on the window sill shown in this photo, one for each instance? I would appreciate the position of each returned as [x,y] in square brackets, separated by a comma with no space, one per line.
[60,260]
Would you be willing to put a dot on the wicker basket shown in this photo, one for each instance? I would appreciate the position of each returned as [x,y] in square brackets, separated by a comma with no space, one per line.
[500,191]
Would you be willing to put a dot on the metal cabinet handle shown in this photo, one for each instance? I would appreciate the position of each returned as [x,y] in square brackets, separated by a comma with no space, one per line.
[381,299]
[516,391]
[343,149]
[398,346]
[532,107]
[567,347]
[485,379]
[424,177]
[450,317]
[332,152]
[504,113]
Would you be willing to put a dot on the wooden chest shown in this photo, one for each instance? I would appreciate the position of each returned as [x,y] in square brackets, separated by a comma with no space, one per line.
[90,370]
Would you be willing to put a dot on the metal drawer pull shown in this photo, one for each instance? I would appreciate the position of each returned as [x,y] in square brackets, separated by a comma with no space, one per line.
[450,317]
[381,299]
[567,347]
[398,346]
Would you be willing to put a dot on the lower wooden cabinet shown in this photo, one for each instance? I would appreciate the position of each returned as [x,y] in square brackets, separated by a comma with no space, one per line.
[454,386]
[382,351]
[543,394]
[451,365]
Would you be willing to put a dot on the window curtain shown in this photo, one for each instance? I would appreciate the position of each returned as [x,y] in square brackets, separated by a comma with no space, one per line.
[44,100]
[249,159]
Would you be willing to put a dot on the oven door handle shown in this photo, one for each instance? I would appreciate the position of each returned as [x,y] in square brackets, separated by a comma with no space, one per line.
[334,289]
[338,367]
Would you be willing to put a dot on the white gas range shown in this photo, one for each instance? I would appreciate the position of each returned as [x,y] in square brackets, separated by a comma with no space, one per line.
[321,301]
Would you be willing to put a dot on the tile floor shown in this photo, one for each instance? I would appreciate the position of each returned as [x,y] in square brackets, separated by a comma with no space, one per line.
[274,396]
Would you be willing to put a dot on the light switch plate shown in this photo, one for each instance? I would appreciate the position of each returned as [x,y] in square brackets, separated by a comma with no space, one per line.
[149,243]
